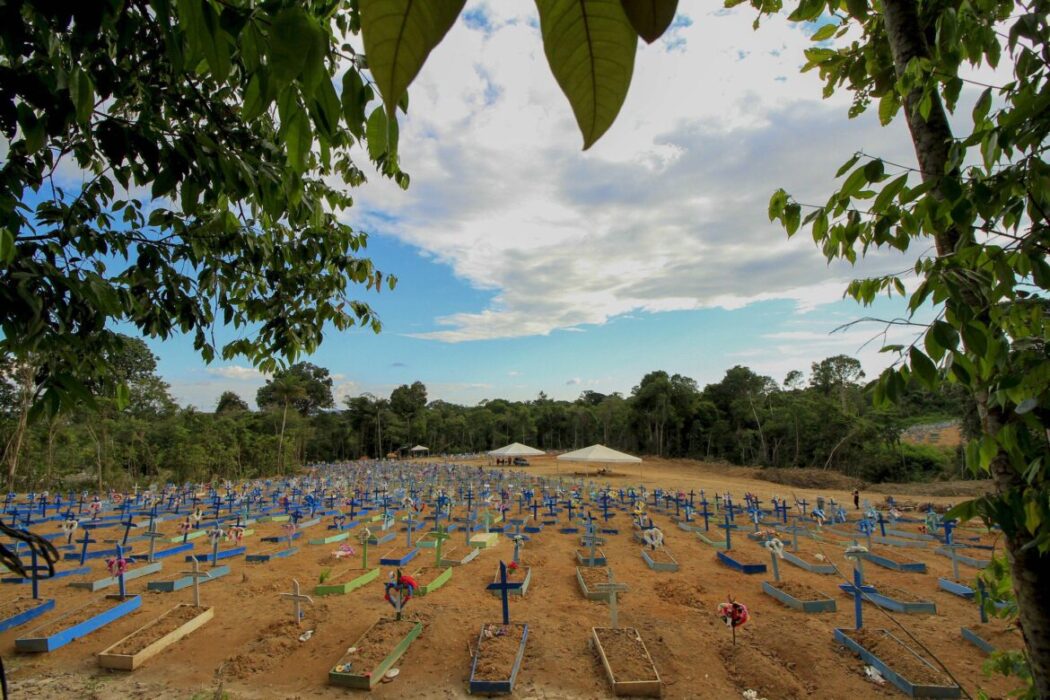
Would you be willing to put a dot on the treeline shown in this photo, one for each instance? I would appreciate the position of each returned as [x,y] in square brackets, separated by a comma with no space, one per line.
[824,420]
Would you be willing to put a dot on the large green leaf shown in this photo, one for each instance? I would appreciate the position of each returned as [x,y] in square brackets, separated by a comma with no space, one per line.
[650,18]
[398,37]
[590,45]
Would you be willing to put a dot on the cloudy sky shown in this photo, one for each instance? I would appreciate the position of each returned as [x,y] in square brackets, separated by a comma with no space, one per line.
[528,265]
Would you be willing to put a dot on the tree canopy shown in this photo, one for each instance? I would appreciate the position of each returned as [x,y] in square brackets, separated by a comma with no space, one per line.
[217,150]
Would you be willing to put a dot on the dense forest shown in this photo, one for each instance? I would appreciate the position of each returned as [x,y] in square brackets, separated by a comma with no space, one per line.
[822,420]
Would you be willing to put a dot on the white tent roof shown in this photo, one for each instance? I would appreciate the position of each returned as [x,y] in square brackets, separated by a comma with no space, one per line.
[598,453]
[516,449]
[419,448]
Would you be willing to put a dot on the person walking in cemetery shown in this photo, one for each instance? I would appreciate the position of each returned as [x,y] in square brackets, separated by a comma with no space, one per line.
[856,499]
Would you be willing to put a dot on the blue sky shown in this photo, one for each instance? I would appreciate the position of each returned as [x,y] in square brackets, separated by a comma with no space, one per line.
[526,265]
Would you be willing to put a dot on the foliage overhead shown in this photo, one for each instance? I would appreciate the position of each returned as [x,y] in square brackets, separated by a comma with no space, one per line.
[216,155]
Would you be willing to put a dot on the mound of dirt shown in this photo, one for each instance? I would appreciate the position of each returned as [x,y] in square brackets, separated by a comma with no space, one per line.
[810,479]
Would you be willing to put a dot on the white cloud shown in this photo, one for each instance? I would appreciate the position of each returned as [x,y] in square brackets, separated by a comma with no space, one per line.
[667,212]
[237,372]
[574,381]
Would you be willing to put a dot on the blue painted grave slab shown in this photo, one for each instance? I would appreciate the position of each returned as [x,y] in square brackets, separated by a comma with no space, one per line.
[173,550]
[186,581]
[500,687]
[911,535]
[659,565]
[266,557]
[739,566]
[892,604]
[79,571]
[720,544]
[826,569]
[97,554]
[378,539]
[955,588]
[974,638]
[907,687]
[534,529]
[129,575]
[914,567]
[584,558]
[963,559]
[65,636]
[607,531]
[26,615]
[806,606]
[308,523]
[221,554]
[394,561]
[282,538]
[569,530]
[893,542]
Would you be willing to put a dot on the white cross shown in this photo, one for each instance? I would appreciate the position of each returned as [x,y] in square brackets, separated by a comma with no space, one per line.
[298,598]
[197,575]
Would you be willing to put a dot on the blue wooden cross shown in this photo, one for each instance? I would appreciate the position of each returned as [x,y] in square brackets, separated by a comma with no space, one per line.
[504,588]
[535,510]
[128,524]
[882,523]
[120,572]
[729,530]
[34,572]
[705,512]
[83,551]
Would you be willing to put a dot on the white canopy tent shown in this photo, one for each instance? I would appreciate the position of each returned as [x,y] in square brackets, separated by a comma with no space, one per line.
[600,454]
[516,449]
[418,449]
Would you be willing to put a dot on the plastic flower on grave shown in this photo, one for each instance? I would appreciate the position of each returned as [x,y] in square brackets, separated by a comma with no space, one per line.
[733,613]
[117,566]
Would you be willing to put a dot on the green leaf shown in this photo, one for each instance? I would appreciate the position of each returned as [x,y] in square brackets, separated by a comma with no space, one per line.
[298,139]
[354,101]
[650,18]
[984,104]
[590,46]
[398,36]
[82,92]
[889,192]
[807,11]
[945,335]
[824,33]
[7,246]
[967,510]
[382,134]
[293,40]
[123,396]
[888,106]
[922,367]
[857,8]
[1033,515]
[847,165]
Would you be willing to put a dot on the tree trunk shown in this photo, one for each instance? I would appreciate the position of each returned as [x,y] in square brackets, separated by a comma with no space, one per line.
[932,138]
[280,441]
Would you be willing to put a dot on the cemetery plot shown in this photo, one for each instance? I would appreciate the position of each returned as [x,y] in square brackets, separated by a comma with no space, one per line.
[149,640]
[659,559]
[896,600]
[915,567]
[76,624]
[372,655]
[799,596]
[399,557]
[515,574]
[497,658]
[22,610]
[993,637]
[346,580]
[813,563]
[899,664]
[431,578]
[589,578]
[626,661]
[453,556]
[98,585]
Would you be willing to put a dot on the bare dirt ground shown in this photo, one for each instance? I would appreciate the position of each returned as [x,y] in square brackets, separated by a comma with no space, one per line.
[248,652]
